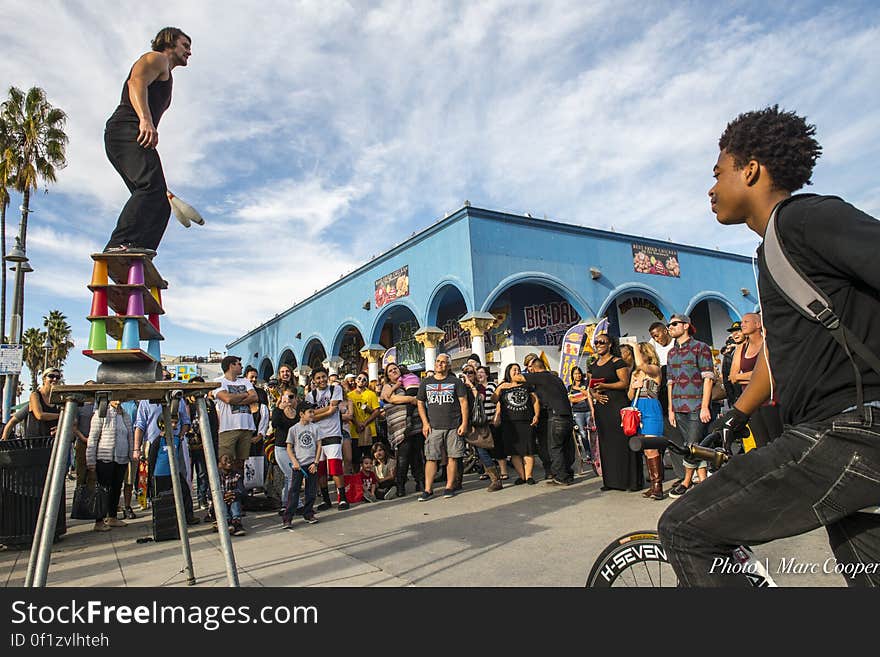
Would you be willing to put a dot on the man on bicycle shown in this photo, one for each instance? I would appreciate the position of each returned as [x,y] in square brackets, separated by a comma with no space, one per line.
[826,464]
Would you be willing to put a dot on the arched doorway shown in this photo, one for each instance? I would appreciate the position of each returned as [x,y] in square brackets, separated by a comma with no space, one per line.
[396,327]
[347,346]
[314,354]
[632,311]
[531,316]
[711,317]
[287,358]
[265,371]
[450,307]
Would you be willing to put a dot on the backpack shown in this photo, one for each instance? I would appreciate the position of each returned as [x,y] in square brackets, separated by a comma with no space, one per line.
[810,301]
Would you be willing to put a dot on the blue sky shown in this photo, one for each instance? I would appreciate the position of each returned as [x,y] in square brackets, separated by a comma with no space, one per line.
[312,135]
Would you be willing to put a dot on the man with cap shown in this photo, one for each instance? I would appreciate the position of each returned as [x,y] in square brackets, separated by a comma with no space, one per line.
[690,372]
[731,389]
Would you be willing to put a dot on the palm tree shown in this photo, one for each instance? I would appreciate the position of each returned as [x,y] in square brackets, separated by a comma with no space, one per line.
[38,143]
[6,164]
[59,332]
[32,342]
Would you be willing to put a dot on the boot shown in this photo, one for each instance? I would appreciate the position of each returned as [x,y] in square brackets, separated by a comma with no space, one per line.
[495,476]
[655,471]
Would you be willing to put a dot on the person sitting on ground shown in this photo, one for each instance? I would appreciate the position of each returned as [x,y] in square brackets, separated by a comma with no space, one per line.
[232,488]
[384,468]
[108,452]
[369,480]
[304,453]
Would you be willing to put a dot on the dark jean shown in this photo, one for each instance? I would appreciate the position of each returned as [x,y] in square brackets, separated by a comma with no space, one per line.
[561,446]
[815,474]
[296,482]
[200,470]
[693,431]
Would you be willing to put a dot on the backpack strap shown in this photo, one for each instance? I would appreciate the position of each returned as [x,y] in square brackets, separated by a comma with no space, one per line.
[808,299]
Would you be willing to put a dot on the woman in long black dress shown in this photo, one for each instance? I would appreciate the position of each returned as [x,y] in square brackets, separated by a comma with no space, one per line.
[621,467]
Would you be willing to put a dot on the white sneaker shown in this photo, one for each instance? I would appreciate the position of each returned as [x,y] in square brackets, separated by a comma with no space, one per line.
[369,497]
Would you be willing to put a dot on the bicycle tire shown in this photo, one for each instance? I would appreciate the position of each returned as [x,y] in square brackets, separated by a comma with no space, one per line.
[635,560]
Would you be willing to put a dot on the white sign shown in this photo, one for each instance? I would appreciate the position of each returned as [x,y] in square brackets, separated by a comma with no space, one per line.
[10,358]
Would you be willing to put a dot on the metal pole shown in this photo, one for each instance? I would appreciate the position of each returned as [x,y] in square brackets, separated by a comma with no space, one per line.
[178,494]
[14,338]
[216,493]
[55,482]
[41,516]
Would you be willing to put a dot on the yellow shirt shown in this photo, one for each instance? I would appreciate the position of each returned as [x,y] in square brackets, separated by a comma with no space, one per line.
[364,403]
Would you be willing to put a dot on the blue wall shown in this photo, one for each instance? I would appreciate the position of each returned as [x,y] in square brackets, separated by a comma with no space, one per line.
[480,254]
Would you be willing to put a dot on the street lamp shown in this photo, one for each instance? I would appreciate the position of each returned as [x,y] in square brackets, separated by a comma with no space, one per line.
[18,256]
[47,347]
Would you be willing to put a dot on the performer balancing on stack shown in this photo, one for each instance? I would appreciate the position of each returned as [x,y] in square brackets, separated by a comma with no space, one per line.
[130,139]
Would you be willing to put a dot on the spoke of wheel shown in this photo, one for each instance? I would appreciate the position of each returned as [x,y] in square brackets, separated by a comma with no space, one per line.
[648,573]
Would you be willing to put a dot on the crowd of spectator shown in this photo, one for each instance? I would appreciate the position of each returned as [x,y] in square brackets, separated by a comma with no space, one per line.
[371,438]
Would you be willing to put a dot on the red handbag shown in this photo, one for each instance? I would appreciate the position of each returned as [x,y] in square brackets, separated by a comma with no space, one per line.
[631,417]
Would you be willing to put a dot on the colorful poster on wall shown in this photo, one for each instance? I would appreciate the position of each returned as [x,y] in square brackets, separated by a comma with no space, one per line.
[184,372]
[549,321]
[390,356]
[392,286]
[655,260]
[572,344]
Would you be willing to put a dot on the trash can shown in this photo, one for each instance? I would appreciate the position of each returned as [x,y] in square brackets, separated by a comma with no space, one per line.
[24,469]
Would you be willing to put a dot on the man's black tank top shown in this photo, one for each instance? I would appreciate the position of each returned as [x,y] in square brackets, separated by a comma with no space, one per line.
[158,98]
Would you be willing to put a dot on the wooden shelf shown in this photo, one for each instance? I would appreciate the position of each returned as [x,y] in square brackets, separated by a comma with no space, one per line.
[115,324]
[118,265]
[117,298]
[118,355]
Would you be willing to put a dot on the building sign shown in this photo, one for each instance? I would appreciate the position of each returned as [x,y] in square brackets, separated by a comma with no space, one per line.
[655,260]
[456,339]
[640,302]
[392,286]
[553,319]
[10,358]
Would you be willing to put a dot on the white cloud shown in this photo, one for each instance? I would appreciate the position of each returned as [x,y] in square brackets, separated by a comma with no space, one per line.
[294,120]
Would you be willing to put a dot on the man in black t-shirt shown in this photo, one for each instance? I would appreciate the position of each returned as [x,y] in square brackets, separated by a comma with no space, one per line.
[826,464]
[560,425]
[443,408]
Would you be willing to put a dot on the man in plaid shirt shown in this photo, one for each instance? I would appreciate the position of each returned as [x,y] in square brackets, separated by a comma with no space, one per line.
[690,372]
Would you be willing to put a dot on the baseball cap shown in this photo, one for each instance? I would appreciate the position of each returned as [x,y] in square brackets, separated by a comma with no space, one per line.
[348,376]
[736,326]
[681,318]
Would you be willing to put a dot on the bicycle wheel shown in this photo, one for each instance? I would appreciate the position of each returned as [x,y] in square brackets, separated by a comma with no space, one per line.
[635,560]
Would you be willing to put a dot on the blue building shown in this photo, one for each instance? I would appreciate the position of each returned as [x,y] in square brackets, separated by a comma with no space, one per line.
[500,284]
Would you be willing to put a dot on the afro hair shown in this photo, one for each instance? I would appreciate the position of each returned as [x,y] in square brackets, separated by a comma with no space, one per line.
[781,141]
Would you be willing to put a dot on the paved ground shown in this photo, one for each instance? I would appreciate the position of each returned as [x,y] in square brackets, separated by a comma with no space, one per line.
[520,536]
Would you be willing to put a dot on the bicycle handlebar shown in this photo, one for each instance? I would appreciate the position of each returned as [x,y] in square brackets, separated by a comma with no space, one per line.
[716,456]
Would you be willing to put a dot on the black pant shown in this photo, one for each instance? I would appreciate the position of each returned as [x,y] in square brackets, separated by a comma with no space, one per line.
[815,474]
[111,475]
[561,446]
[144,217]
[541,431]
[410,456]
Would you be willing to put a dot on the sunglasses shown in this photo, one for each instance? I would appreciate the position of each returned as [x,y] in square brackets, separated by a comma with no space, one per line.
[598,342]
[671,324]
[53,376]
